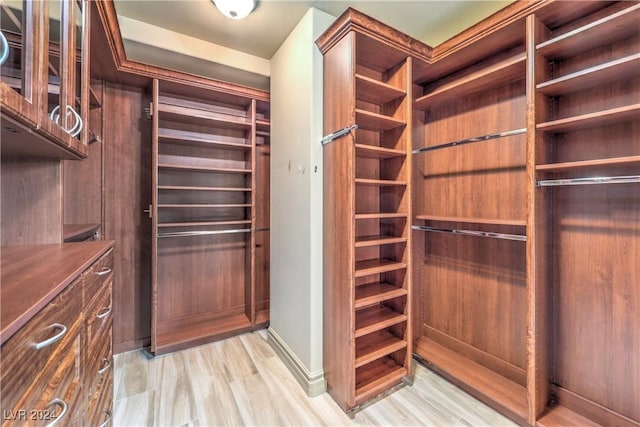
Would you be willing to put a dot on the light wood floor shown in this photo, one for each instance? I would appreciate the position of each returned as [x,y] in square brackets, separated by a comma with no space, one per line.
[241,381]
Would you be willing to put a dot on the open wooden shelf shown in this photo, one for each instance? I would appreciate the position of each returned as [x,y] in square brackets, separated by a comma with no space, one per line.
[379,215]
[378,265]
[374,152]
[379,182]
[376,122]
[78,232]
[201,223]
[196,116]
[376,292]
[203,205]
[263,125]
[598,118]
[500,73]
[616,26]
[198,139]
[592,76]
[558,415]
[489,221]
[195,188]
[202,168]
[376,92]
[480,381]
[365,241]
[376,345]
[380,375]
[375,318]
[566,166]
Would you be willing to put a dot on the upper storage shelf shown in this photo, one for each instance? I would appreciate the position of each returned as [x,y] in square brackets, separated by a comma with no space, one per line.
[376,92]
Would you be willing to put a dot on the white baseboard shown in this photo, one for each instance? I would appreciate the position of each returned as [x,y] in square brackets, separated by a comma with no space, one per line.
[313,383]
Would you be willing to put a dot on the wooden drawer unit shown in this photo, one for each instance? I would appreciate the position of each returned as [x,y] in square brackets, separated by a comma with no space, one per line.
[100,383]
[98,314]
[39,344]
[96,275]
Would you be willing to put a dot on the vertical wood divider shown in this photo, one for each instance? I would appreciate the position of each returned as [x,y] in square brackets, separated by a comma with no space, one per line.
[250,297]
[154,213]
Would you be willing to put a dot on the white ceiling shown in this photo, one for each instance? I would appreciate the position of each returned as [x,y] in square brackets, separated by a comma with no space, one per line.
[267,27]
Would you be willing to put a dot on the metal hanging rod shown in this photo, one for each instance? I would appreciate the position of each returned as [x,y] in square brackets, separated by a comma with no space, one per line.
[517,237]
[471,140]
[589,181]
[202,233]
[337,134]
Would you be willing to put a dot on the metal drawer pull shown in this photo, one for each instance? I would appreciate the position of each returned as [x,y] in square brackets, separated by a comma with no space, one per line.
[105,313]
[5,48]
[106,423]
[63,405]
[53,339]
[106,364]
[103,272]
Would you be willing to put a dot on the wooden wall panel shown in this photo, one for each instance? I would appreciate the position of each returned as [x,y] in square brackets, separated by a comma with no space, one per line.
[31,201]
[127,189]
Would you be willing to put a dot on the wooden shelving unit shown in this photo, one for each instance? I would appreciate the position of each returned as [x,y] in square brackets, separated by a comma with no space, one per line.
[204,217]
[586,80]
[367,272]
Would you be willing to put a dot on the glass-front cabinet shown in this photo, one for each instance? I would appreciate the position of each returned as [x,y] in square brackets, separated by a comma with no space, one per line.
[46,94]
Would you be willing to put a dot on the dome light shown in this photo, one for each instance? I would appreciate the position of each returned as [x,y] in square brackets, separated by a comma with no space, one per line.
[235,9]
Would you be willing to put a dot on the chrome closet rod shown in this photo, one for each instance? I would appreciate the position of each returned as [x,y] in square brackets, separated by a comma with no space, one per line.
[589,181]
[202,233]
[471,140]
[504,236]
[337,134]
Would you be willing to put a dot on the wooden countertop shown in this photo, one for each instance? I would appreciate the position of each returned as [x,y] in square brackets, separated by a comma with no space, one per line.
[31,276]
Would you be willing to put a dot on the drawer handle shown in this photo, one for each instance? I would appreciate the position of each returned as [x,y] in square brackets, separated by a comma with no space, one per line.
[103,272]
[106,364]
[5,48]
[53,339]
[105,313]
[63,405]
[106,423]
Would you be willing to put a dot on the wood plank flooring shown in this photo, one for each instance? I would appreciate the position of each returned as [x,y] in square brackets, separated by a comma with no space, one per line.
[240,381]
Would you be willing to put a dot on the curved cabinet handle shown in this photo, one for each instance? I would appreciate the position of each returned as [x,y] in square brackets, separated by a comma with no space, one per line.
[106,311]
[106,422]
[79,123]
[53,339]
[5,49]
[54,114]
[103,272]
[63,405]
[106,364]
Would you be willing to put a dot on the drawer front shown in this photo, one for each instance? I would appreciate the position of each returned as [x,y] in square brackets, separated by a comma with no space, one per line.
[98,363]
[100,411]
[101,387]
[55,395]
[96,275]
[99,315]
[38,343]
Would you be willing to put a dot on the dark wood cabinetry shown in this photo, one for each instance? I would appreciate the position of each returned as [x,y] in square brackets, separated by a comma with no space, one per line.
[204,214]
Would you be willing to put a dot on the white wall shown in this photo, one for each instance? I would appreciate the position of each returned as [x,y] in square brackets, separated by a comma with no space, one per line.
[296,198]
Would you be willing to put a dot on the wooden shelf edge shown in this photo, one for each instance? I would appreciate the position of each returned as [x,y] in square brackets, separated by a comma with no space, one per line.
[381,292]
[564,166]
[598,118]
[560,416]
[488,221]
[378,241]
[499,392]
[382,345]
[372,151]
[78,232]
[381,384]
[202,168]
[370,267]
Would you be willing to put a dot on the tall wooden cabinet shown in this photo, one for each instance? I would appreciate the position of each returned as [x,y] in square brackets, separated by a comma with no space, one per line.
[367,211]
[204,275]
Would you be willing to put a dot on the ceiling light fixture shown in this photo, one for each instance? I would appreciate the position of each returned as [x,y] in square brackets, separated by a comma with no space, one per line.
[235,9]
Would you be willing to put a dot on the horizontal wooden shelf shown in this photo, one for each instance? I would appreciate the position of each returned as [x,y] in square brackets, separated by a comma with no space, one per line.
[378,377]
[376,122]
[558,415]
[599,118]
[365,241]
[198,139]
[203,205]
[78,232]
[566,166]
[194,188]
[376,292]
[617,26]
[375,266]
[201,223]
[374,152]
[264,134]
[379,182]
[593,76]
[201,117]
[377,215]
[376,345]
[202,168]
[489,221]
[375,91]
[375,318]
[500,73]
[263,125]
[481,382]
